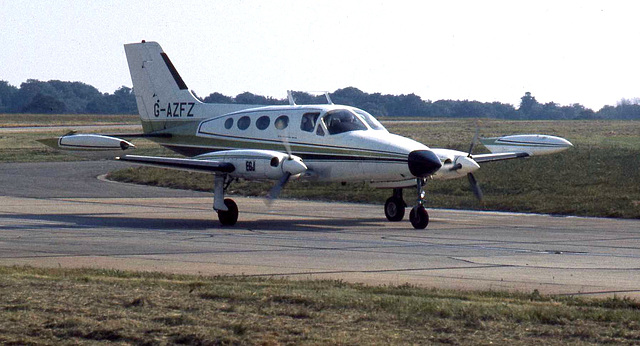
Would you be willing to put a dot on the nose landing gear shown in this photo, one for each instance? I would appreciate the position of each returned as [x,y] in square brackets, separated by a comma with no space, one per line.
[394,207]
[418,216]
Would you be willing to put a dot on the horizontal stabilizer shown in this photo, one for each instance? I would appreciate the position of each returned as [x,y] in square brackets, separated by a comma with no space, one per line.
[140,135]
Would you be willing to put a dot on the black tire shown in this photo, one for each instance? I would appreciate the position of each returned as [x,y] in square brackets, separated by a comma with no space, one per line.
[394,209]
[230,217]
[419,217]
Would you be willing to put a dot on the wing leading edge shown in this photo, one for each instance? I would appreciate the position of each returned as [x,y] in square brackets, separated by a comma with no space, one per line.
[479,158]
[207,166]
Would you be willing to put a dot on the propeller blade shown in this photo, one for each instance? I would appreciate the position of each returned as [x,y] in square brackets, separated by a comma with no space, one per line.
[277,188]
[287,146]
[475,187]
[456,166]
[290,166]
[473,142]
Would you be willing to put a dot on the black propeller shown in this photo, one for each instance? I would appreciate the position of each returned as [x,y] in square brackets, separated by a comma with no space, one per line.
[458,165]
[473,142]
[288,165]
[277,188]
[475,187]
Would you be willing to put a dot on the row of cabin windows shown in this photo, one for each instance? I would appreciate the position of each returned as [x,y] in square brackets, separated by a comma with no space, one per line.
[262,123]
[282,122]
[337,121]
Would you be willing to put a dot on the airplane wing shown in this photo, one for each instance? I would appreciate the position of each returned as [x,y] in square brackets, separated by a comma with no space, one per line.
[479,158]
[240,163]
[208,166]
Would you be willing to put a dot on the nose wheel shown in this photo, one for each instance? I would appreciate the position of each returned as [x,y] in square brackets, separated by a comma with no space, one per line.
[418,216]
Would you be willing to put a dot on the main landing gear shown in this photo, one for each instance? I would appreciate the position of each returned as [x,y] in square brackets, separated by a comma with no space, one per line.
[394,207]
[226,208]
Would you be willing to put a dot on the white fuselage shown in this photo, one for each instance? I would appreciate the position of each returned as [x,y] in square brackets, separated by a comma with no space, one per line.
[357,149]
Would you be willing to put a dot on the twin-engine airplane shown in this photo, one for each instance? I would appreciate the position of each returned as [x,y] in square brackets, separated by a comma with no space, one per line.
[320,143]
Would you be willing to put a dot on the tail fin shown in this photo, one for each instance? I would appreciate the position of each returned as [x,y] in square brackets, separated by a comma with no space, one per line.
[163,99]
[160,91]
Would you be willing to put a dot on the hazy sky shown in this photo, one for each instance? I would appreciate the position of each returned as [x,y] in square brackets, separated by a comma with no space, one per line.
[562,51]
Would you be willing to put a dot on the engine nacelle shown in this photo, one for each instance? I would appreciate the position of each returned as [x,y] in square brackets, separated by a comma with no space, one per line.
[455,164]
[531,144]
[258,164]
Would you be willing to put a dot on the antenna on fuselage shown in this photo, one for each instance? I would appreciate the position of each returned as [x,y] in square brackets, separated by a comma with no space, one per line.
[326,94]
[292,101]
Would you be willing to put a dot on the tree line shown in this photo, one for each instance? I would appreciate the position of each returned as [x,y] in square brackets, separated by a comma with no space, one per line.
[59,97]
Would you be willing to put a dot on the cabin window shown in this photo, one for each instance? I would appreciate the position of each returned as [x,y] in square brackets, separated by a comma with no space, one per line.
[342,120]
[308,122]
[370,120]
[263,122]
[281,122]
[228,123]
[244,122]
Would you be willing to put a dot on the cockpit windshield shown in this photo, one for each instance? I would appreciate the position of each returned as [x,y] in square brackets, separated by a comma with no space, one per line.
[371,121]
[342,120]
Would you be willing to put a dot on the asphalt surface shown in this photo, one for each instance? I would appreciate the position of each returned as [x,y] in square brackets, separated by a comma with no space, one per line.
[60,214]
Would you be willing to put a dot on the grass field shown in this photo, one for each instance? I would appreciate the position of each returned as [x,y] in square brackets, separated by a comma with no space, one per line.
[15,120]
[600,176]
[58,306]
[20,145]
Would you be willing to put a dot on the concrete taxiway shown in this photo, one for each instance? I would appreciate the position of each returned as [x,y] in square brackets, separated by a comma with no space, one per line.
[59,214]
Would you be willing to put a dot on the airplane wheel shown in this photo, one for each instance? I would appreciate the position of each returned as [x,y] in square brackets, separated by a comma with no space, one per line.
[394,209]
[229,217]
[419,217]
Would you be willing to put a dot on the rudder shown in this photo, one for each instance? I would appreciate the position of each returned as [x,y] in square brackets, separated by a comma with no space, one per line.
[159,90]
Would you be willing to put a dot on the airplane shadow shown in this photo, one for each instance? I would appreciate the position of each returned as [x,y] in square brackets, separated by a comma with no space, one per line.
[105,221]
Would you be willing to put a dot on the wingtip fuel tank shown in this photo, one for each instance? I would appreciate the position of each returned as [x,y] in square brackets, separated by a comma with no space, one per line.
[532,144]
[89,144]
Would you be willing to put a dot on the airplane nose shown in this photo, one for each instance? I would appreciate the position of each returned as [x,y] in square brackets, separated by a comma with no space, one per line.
[423,163]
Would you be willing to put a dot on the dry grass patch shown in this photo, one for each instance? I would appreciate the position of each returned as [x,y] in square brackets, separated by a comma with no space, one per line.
[56,306]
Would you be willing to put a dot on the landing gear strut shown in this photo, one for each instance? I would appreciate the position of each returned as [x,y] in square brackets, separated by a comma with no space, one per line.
[394,207]
[419,217]
[226,208]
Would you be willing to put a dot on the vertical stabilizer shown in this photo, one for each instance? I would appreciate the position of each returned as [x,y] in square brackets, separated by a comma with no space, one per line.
[163,99]
[161,94]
